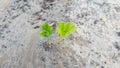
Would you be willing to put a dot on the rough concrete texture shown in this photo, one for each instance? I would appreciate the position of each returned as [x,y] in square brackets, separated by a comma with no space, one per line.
[96,43]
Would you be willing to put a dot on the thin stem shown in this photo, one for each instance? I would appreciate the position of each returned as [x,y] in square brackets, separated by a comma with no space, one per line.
[48,40]
[60,40]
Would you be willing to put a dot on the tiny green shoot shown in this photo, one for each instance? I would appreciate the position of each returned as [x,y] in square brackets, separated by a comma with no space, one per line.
[47,31]
[65,29]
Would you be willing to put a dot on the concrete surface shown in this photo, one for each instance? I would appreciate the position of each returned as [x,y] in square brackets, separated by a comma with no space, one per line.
[96,43]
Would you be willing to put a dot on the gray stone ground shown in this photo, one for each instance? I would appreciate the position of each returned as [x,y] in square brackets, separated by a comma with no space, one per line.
[96,43]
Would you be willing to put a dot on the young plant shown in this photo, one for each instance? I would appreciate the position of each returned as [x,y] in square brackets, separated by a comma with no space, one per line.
[47,31]
[65,29]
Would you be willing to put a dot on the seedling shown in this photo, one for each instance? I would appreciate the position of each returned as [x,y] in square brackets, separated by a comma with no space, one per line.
[65,29]
[47,31]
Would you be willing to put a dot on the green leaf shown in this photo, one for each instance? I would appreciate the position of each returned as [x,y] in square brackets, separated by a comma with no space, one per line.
[60,28]
[65,29]
[47,30]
